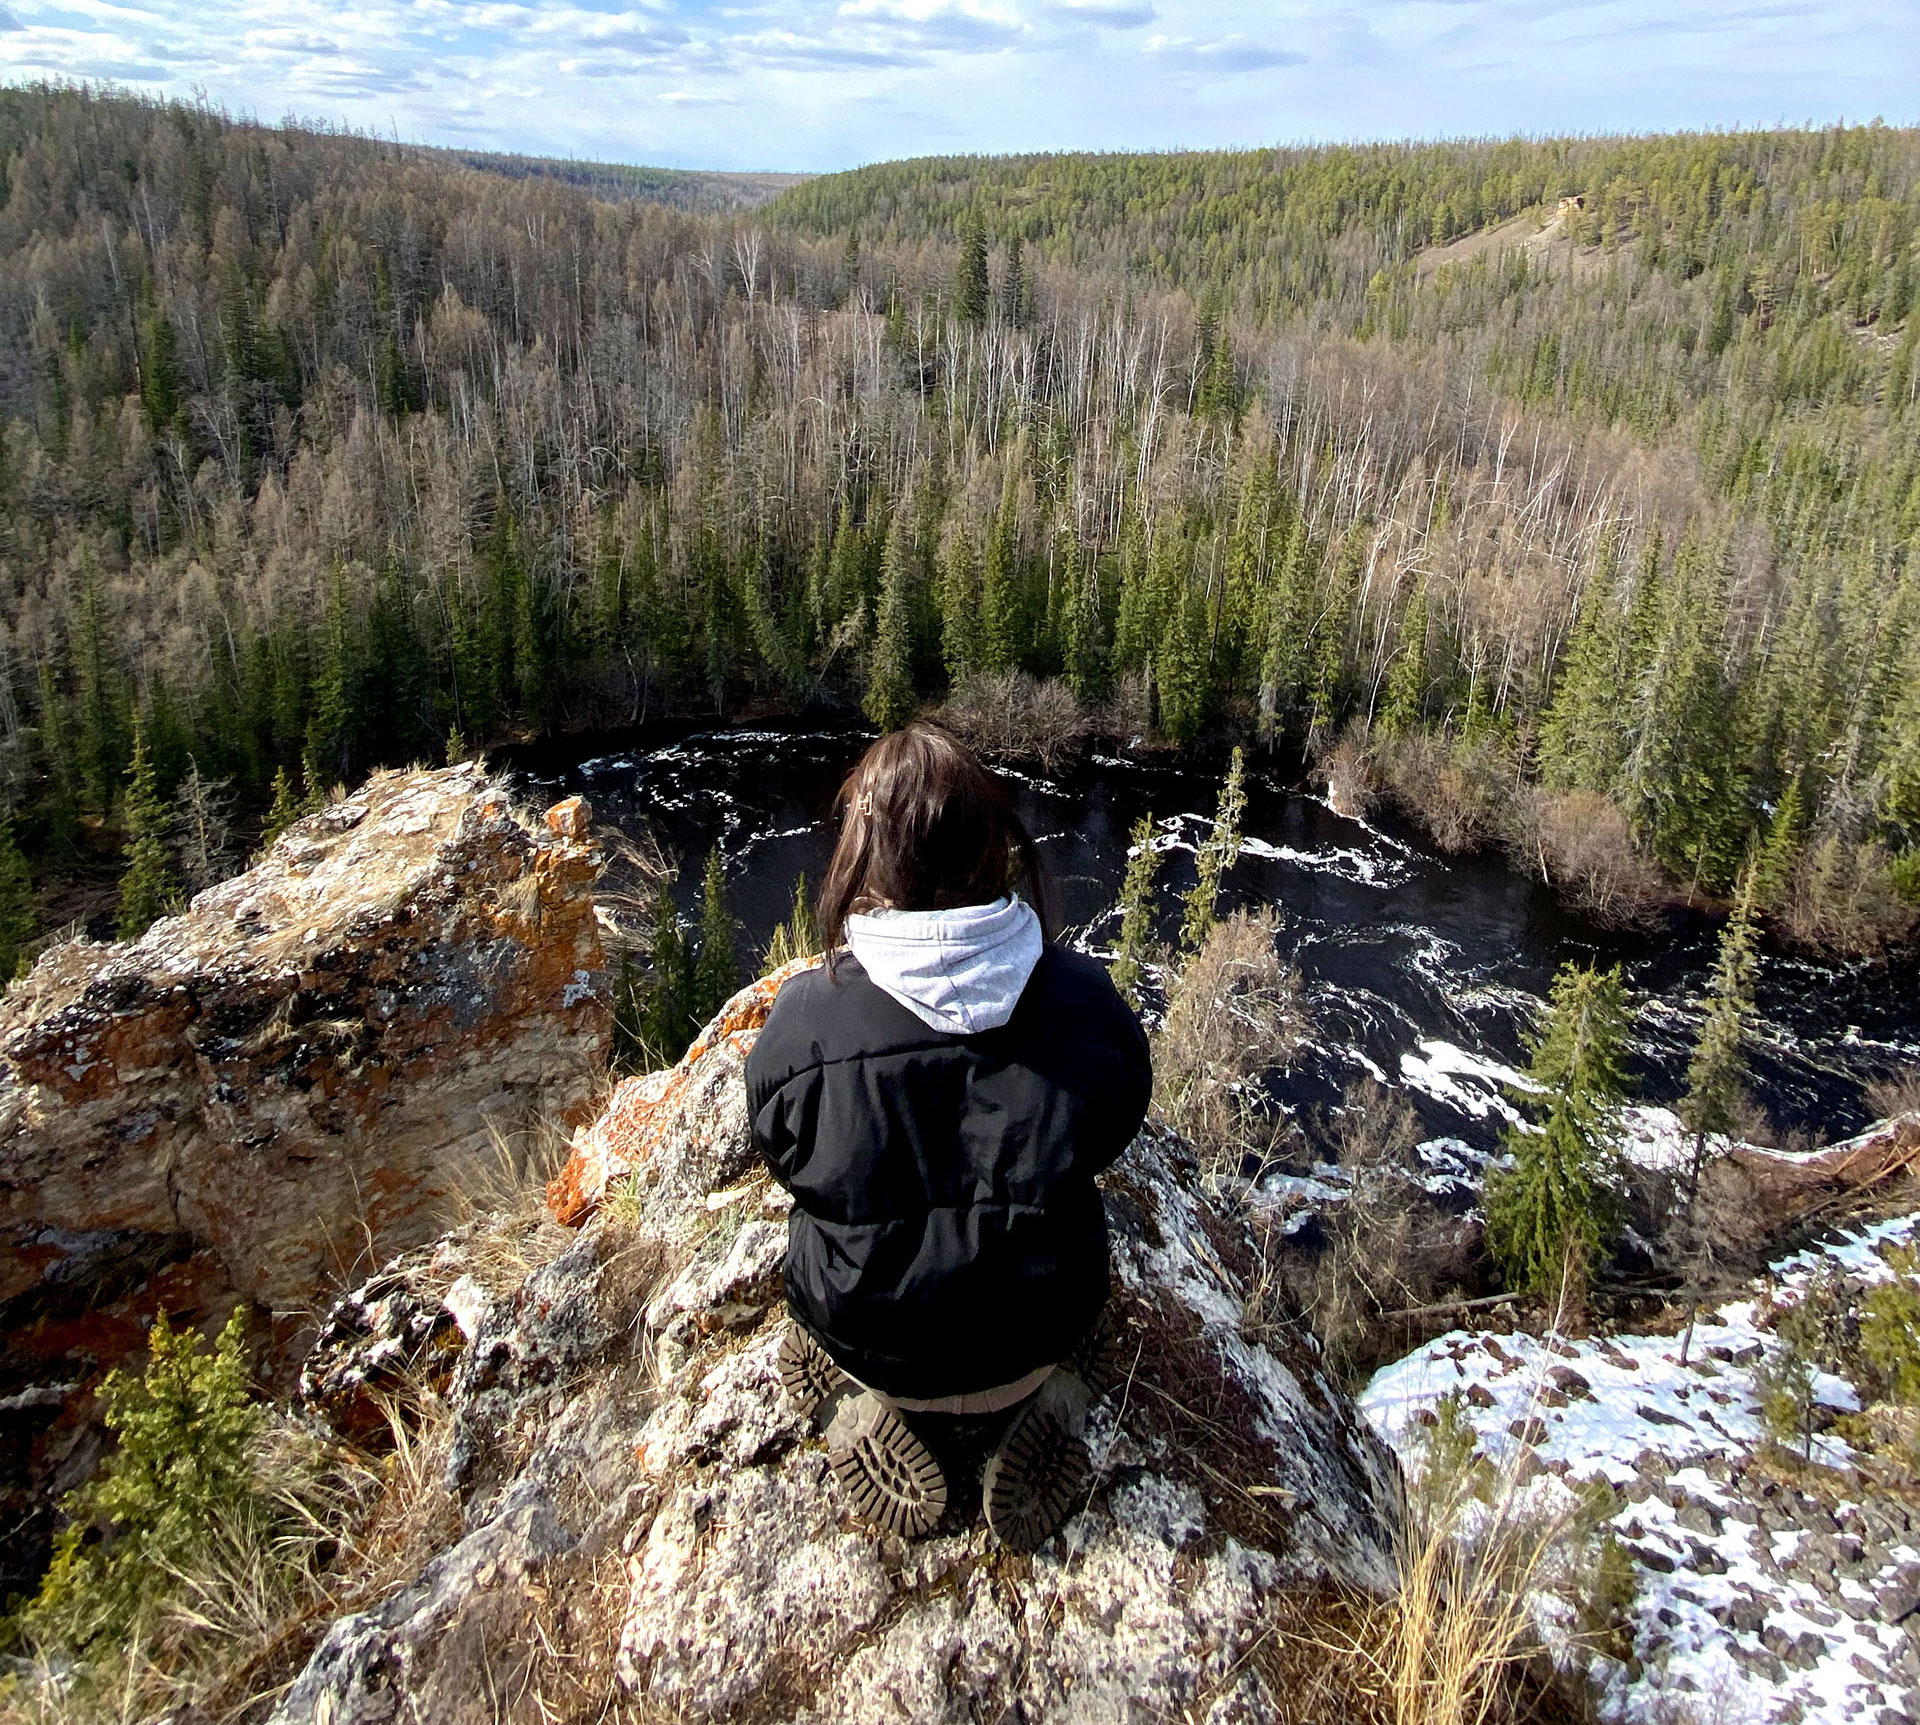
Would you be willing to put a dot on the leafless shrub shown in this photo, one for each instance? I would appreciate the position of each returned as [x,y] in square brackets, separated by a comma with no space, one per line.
[1013,717]
[1235,1011]
[1843,899]
[1387,1250]
[506,1197]
[1581,842]
[1347,770]
[1452,791]
[1128,713]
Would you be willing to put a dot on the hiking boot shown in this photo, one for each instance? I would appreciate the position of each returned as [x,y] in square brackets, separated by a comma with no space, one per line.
[1102,1359]
[890,1476]
[1038,1474]
[807,1371]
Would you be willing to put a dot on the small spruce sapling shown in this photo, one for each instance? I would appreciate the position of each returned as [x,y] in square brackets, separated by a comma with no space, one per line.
[797,937]
[1783,1381]
[1218,853]
[665,1021]
[281,813]
[716,972]
[181,1471]
[16,906]
[1711,1105]
[1555,1213]
[1136,911]
[147,888]
[1890,1328]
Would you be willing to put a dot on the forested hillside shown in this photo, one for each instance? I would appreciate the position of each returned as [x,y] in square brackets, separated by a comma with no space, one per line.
[1595,537]
[682,188]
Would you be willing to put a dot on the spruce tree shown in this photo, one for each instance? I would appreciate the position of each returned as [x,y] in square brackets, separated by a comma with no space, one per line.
[159,368]
[1770,876]
[629,1012]
[1714,1076]
[997,622]
[313,774]
[1552,1216]
[889,702]
[282,812]
[1406,689]
[1181,665]
[16,906]
[1013,286]
[1136,910]
[1218,853]
[147,887]
[716,973]
[959,607]
[666,1019]
[970,289]
[797,937]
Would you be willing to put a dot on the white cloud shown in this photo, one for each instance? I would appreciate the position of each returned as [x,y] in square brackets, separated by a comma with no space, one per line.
[824,83]
[1223,56]
[1118,14]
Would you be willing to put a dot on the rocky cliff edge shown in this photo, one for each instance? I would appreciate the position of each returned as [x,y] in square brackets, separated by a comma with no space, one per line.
[642,1517]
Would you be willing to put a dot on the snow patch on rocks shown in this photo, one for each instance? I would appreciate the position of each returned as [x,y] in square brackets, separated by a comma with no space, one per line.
[1757,1595]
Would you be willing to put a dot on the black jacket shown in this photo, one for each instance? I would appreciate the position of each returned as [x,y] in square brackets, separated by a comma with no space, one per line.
[946,1234]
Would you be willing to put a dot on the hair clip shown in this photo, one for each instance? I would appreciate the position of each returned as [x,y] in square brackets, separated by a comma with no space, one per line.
[863,804]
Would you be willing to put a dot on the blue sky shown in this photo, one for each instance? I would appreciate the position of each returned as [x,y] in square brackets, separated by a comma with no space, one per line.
[820,84]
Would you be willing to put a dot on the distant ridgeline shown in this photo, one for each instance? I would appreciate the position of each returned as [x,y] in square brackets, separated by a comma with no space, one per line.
[1579,478]
[682,188]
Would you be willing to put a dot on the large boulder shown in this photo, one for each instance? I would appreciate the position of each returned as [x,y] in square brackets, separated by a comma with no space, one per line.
[643,1514]
[261,1098]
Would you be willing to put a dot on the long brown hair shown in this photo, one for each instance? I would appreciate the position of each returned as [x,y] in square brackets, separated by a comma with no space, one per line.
[924,826]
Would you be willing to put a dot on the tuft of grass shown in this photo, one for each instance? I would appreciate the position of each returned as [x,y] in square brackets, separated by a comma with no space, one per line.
[1895,1093]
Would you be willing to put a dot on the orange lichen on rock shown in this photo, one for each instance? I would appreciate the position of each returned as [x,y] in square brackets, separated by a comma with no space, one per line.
[571,818]
[623,1140]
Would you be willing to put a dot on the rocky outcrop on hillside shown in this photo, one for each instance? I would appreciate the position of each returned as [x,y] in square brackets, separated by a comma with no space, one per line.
[307,1067]
[643,1516]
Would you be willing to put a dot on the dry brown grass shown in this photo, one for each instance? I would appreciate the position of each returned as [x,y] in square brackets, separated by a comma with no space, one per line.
[1234,1012]
[1895,1093]
[1457,1642]
[513,1232]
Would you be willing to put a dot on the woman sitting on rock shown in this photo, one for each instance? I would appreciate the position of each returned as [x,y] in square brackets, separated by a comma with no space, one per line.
[938,1099]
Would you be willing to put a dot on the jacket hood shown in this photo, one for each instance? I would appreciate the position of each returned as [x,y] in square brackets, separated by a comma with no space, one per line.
[961,970]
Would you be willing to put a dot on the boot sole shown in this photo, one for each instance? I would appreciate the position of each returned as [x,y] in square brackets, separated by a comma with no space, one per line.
[890,1477]
[1102,1360]
[807,1371]
[1034,1480]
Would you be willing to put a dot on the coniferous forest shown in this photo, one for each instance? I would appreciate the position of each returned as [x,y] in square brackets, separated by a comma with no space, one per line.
[1566,491]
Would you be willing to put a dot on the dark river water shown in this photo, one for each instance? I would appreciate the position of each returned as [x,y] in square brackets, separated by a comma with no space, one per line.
[1421,971]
